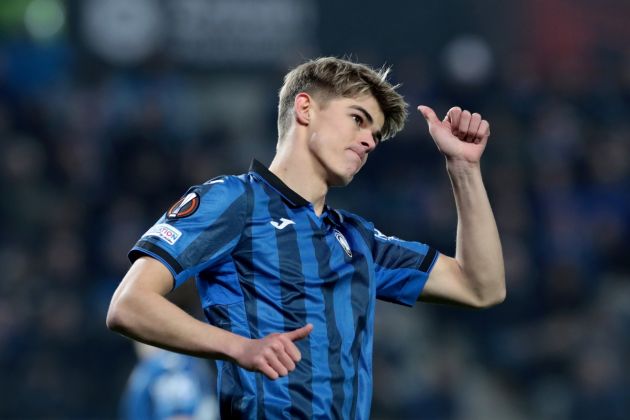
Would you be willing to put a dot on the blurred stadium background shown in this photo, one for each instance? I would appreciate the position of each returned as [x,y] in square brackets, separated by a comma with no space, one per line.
[109,109]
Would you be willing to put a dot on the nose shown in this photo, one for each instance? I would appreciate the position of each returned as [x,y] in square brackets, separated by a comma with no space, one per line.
[368,141]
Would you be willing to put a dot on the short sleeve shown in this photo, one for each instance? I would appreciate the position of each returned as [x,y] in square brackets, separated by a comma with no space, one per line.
[401,268]
[199,230]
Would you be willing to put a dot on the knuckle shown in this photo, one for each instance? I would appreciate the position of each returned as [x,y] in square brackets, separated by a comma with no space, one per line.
[284,338]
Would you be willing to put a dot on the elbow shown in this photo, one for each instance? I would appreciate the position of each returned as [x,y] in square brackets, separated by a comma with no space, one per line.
[114,320]
[494,298]
[118,316]
[490,294]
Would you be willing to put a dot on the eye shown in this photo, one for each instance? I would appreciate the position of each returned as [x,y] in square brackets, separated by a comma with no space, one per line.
[358,120]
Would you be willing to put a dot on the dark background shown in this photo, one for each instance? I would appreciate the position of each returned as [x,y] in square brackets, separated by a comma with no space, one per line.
[109,110]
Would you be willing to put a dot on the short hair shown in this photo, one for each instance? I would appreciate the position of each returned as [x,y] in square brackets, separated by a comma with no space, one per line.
[329,77]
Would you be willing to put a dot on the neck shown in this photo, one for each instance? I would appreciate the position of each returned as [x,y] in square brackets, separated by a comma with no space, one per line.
[300,172]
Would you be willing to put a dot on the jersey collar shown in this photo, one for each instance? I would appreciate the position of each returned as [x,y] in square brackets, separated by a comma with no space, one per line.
[276,183]
[288,194]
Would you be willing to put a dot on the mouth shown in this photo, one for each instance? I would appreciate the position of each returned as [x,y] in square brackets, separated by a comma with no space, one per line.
[359,155]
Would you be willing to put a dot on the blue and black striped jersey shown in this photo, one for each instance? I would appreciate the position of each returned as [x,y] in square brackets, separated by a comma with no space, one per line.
[264,262]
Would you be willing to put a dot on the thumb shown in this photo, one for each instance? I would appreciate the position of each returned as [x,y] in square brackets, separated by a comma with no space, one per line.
[428,114]
[300,333]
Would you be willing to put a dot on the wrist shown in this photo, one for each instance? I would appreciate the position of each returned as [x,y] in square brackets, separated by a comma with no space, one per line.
[234,345]
[456,166]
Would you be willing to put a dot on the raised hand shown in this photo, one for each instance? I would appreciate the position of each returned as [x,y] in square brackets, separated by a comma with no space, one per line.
[460,135]
[274,355]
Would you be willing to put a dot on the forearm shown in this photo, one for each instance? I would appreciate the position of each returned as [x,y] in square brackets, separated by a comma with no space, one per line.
[140,311]
[478,247]
[149,317]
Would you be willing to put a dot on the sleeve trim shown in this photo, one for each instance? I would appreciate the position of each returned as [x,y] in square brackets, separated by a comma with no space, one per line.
[151,247]
[427,261]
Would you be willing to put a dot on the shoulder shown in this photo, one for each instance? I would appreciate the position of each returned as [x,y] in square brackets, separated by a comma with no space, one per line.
[224,184]
[355,220]
[222,189]
[364,227]
[367,228]
[214,195]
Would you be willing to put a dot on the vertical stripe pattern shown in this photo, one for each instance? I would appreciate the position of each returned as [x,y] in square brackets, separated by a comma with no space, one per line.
[250,296]
[230,386]
[337,376]
[292,291]
[265,263]
[360,297]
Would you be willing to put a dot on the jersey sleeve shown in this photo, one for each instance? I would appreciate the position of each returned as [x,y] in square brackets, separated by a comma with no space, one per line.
[401,268]
[199,230]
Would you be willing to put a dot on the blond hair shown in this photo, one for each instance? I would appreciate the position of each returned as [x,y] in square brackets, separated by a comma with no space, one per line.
[330,77]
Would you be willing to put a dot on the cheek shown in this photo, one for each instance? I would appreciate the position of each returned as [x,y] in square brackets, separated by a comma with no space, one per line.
[323,140]
[319,147]
[314,142]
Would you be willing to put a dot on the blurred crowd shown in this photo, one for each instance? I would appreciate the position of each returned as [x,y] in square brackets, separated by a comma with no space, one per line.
[92,155]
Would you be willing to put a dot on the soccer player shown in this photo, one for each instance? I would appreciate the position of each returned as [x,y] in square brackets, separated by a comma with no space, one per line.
[168,386]
[288,283]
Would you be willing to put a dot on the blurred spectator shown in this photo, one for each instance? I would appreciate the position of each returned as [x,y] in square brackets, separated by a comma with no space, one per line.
[169,386]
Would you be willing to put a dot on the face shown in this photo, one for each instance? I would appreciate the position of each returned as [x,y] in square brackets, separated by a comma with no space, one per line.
[342,132]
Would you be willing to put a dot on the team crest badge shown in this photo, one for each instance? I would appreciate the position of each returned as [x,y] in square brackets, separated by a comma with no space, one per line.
[184,207]
[343,242]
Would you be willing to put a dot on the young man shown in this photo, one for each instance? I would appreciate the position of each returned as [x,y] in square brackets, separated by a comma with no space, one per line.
[288,284]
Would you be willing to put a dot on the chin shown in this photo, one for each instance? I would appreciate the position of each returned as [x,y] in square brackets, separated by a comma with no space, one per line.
[343,182]
[340,180]
[342,174]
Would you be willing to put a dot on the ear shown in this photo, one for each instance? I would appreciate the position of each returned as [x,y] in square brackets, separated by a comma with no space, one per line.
[302,108]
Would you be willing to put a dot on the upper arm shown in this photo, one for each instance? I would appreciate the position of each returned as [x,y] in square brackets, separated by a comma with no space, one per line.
[447,284]
[148,274]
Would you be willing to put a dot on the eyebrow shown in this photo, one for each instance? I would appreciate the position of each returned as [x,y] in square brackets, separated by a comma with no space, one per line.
[367,115]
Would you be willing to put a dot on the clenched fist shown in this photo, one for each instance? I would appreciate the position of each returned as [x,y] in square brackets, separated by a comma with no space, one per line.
[274,355]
